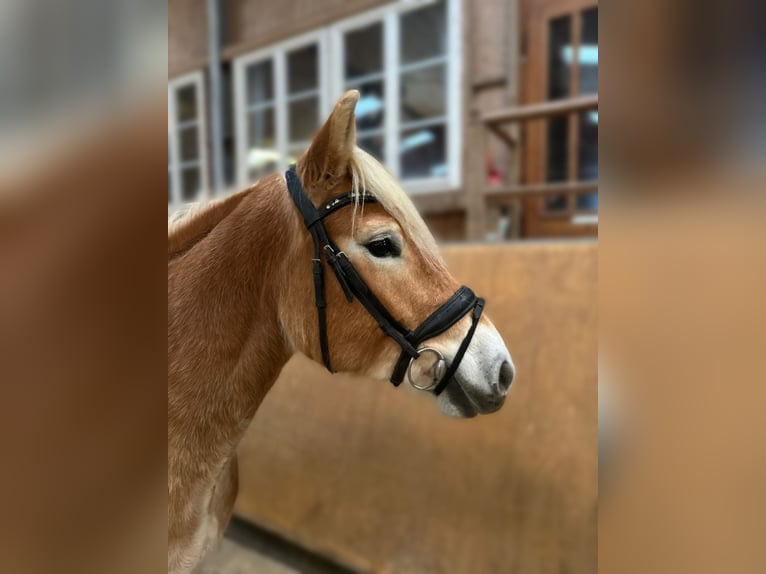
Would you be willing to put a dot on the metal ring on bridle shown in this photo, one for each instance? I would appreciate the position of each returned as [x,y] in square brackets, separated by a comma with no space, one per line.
[440,367]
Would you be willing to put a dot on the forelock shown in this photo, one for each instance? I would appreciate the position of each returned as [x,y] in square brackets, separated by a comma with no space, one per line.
[368,176]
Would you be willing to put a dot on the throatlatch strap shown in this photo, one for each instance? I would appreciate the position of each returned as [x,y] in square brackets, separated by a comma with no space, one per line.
[301,200]
[319,300]
[312,218]
[309,214]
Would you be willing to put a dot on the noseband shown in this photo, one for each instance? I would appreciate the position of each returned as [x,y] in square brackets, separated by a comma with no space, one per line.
[460,304]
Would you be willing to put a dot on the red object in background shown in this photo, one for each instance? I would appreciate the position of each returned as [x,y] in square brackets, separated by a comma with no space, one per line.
[494,177]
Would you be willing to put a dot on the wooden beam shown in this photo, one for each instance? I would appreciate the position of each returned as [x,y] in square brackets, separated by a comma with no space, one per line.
[507,138]
[542,110]
[573,131]
[439,202]
[476,206]
[508,193]
[489,83]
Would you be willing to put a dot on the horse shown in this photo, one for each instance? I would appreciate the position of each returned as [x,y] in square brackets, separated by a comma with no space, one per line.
[331,260]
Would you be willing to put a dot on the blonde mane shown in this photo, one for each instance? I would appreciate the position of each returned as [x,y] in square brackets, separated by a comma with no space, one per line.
[184,214]
[193,221]
[189,212]
[368,176]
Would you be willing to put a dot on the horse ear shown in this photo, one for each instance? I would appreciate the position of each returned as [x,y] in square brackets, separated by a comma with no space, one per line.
[328,156]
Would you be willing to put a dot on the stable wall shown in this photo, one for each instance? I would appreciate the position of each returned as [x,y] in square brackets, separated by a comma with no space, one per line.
[187,36]
[379,479]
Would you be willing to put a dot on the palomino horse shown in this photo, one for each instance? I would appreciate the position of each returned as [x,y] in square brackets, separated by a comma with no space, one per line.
[246,283]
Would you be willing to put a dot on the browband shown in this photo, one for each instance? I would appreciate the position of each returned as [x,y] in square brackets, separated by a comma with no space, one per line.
[352,284]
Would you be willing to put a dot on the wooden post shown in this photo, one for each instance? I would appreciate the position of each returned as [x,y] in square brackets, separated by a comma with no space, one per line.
[476,208]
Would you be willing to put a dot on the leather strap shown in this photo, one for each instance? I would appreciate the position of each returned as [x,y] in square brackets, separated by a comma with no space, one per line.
[477,310]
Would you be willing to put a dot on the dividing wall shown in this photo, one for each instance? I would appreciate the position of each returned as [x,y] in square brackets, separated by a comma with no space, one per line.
[377,478]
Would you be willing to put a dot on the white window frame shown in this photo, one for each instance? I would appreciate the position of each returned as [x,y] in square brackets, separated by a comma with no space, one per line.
[331,80]
[195,79]
[277,53]
[390,16]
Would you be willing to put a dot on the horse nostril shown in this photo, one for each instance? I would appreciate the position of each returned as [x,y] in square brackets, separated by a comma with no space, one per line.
[505,377]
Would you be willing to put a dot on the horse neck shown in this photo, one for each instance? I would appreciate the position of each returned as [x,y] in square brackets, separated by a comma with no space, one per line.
[225,343]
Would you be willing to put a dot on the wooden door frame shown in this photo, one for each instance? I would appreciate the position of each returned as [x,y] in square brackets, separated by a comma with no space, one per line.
[537,17]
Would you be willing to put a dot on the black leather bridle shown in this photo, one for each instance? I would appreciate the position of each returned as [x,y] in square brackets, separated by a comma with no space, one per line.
[461,303]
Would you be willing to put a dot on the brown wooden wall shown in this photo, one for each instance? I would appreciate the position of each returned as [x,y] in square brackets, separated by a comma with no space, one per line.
[187,36]
[257,23]
[377,477]
[447,226]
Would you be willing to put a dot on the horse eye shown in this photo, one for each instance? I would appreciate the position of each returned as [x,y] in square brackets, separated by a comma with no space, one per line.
[383,248]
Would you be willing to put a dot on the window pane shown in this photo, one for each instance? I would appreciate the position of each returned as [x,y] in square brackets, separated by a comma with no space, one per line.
[186,103]
[372,144]
[559,57]
[261,128]
[588,153]
[557,147]
[588,56]
[423,94]
[304,119]
[190,183]
[370,108]
[423,152]
[364,51]
[260,82]
[188,139]
[262,156]
[302,69]
[556,168]
[587,202]
[556,203]
[423,33]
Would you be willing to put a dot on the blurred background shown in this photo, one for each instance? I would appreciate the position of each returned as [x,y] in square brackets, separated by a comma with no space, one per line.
[338,474]
[487,112]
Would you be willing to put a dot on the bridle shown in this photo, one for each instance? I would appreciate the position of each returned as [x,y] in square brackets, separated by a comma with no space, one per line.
[461,303]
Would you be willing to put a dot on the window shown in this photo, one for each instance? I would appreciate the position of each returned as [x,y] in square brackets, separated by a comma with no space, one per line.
[587,166]
[187,166]
[572,141]
[303,113]
[279,103]
[423,93]
[363,70]
[261,154]
[408,74]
